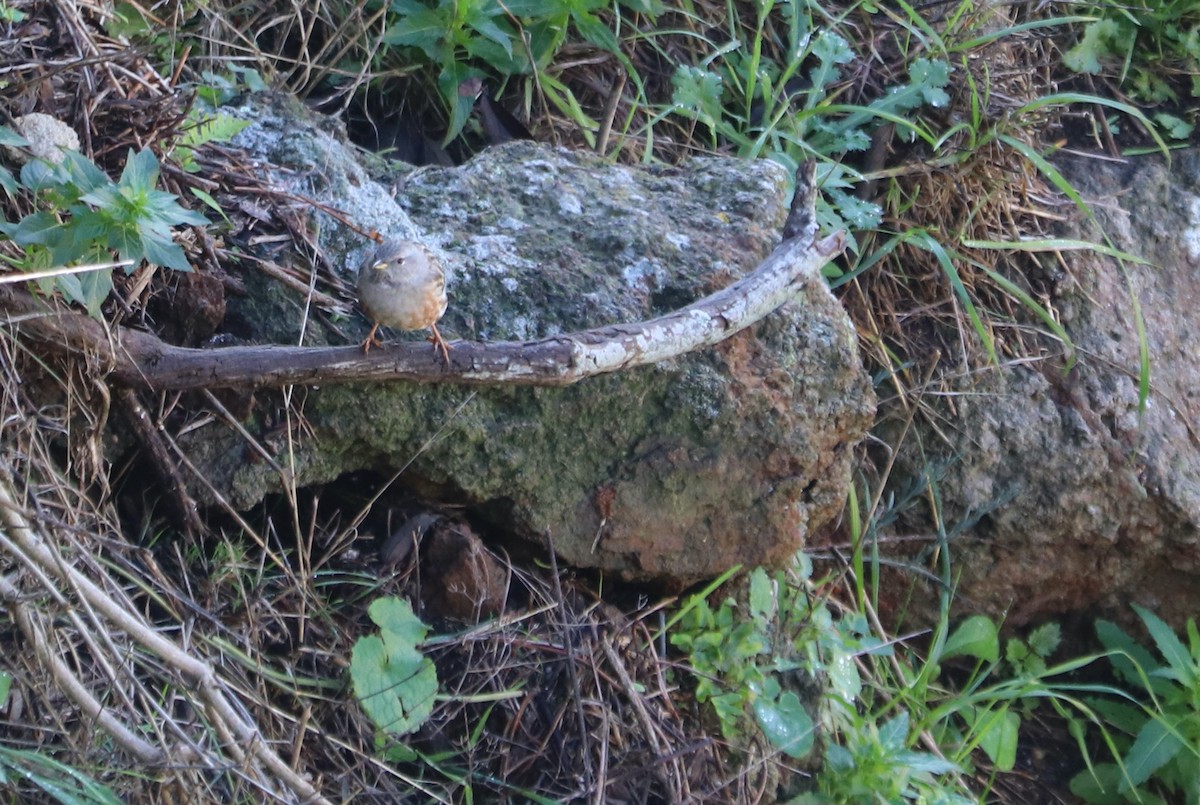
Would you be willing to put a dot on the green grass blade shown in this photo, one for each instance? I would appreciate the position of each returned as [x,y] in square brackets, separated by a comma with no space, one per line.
[930,244]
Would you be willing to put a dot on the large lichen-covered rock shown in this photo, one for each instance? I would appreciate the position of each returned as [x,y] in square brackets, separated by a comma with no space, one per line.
[1073,500]
[676,471]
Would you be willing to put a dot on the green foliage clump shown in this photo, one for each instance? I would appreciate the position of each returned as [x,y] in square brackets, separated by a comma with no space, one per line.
[1152,727]
[787,111]
[743,659]
[736,658]
[519,37]
[1144,42]
[83,216]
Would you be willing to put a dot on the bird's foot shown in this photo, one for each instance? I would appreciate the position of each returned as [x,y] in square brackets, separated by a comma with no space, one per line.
[371,340]
[439,343]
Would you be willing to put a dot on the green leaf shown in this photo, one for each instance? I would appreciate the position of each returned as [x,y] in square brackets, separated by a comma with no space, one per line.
[844,680]
[925,762]
[460,106]
[94,288]
[10,137]
[697,93]
[786,724]
[893,734]
[424,29]
[212,129]
[1176,127]
[1096,44]
[762,595]
[1182,668]
[8,182]
[1099,786]
[535,9]
[141,171]
[159,248]
[83,173]
[929,76]
[998,732]
[1154,747]
[42,228]
[975,637]
[491,29]
[593,30]
[393,681]
[1044,640]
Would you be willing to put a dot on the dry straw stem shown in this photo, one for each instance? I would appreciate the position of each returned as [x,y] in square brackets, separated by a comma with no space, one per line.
[240,738]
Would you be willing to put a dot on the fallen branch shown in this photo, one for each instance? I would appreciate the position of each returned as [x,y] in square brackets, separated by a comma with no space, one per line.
[141,360]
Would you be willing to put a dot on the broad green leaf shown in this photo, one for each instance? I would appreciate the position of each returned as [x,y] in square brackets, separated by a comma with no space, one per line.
[41,228]
[212,129]
[929,77]
[491,29]
[1099,786]
[424,29]
[8,182]
[998,732]
[975,637]
[893,733]
[593,30]
[449,80]
[10,137]
[1045,639]
[141,171]
[925,762]
[786,724]
[160,249]
[534,9]
[762,594]
[844,680]
[1096,44]
[94,287]
[1153,748]
[1179,659]
[1176,127]
[393,681]
[697,93]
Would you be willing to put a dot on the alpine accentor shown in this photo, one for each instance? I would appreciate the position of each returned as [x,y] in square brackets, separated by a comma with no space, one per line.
[401,284]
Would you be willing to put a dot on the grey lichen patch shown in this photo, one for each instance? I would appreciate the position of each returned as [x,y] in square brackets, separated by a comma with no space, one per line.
[592,242]
[304,155]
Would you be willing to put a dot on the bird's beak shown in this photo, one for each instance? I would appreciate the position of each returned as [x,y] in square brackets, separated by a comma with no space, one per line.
[379,266]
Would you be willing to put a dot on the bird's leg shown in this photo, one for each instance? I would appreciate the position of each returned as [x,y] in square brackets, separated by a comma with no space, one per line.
[371,341]
[440,343]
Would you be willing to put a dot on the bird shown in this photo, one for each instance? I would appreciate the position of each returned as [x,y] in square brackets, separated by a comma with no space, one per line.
[401,284]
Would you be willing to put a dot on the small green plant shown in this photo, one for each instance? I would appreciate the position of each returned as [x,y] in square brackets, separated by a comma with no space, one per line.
[1143,38]
[875,764]
[56,780]
[84,216]
[741,657]
[461,40]
[1153,727]
[395,683]
[737,653]
[787,110]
